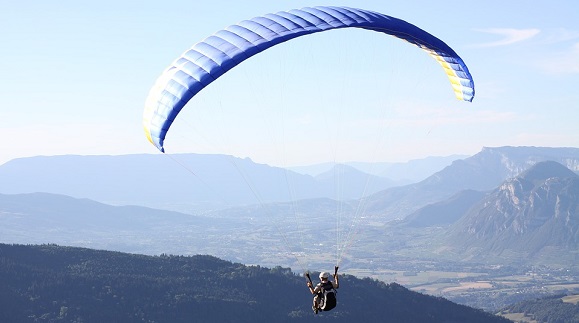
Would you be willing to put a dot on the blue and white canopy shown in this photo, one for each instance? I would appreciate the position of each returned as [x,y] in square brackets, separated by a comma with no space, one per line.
[207,60]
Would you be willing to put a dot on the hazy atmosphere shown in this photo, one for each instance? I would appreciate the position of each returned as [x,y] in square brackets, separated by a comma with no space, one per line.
[75,76]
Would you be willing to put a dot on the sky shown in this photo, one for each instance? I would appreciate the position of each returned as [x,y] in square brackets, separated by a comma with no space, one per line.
[74,76]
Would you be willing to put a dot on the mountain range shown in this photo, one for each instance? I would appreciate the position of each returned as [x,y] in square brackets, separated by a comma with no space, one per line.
[42,218]
[530,216]
[189,183]
[411,171]
[533,215]
[193,184]
[483,171]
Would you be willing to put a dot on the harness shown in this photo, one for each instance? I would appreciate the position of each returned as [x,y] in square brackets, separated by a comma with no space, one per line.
[326,296]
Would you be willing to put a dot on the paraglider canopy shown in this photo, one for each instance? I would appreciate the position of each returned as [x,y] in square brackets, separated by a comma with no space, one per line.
[209,59]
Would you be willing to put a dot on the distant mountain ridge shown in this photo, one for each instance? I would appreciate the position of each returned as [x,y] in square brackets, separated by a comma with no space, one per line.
[533,214]
[348,178]
[193,184]
[481,172]
[192,181]
[50,218]
[491,166]
[403,173]
[445,212]
[182,182]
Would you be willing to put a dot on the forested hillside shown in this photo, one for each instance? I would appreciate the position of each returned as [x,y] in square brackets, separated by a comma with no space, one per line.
[550,310]
[49,283]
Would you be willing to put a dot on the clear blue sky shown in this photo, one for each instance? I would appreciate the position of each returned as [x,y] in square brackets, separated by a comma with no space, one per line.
[74,76]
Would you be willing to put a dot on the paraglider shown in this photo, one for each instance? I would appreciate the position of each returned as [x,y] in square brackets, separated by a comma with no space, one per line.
[212,57]
[324,292]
